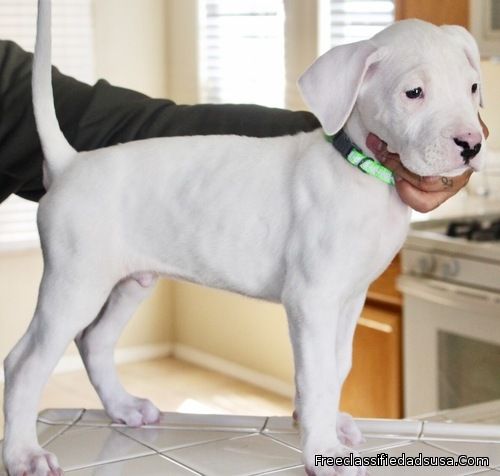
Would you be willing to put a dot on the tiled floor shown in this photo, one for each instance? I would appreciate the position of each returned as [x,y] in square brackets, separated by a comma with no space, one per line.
[222,445]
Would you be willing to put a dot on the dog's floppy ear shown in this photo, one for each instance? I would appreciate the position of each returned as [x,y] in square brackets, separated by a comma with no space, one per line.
[331,84]
[468,43]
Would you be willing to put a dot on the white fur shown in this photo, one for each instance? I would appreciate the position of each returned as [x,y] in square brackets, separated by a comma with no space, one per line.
[284,219]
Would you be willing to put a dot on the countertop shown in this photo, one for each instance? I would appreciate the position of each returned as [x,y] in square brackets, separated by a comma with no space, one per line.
[180,444]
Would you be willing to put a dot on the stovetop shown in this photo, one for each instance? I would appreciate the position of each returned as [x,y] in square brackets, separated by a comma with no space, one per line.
[470,237]
[474,229]
[465,259]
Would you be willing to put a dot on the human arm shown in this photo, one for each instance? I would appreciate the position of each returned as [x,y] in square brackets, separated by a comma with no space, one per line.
[101,115]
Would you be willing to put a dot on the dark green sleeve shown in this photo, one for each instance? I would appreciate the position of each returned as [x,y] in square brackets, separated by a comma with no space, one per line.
[101,115]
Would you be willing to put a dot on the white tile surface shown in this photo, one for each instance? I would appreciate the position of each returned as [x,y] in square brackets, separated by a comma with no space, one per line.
[373,443]
[211,422]
[281,425]
[162,439]
[460,431]
[488,472]
[47,432]
[292,439]
[221,445]
[85,446]
[155,465]
[94,418]
[60,415]
[241,456]
[295,471]
[413,449]
[408,429]
[491,450]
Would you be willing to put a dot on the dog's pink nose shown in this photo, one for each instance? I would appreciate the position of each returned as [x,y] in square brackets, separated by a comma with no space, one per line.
[470,143]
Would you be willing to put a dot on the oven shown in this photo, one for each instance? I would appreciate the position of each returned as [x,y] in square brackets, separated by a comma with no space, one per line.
[451,314]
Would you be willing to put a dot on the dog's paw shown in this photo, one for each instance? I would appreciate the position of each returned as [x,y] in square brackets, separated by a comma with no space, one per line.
[347,431]
[134,412]
[33,462]
[320,462]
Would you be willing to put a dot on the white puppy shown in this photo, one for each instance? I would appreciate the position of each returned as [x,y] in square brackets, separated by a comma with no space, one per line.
[285,219]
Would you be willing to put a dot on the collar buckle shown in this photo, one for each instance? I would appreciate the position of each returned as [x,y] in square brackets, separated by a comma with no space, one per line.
[343,144]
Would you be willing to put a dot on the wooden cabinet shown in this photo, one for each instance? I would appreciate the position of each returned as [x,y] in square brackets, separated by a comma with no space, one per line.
[374,386]
[450,12]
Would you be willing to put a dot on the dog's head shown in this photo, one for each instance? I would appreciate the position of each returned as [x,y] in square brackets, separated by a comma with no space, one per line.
[415,85]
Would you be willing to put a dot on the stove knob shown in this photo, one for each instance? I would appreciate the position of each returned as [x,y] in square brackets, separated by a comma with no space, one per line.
[450,268]
[426,265]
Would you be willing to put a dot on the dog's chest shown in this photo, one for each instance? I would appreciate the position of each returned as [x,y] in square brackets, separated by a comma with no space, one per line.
[349,226]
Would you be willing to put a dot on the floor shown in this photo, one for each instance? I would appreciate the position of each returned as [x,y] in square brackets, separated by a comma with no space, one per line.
[236,438]
[183,387]
[182,444]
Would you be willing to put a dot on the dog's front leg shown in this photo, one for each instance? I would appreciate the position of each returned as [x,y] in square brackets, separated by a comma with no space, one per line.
[96,344]
[314,326]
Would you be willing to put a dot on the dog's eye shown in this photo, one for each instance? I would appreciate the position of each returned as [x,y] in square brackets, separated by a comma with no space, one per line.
[474,88]
[414,93]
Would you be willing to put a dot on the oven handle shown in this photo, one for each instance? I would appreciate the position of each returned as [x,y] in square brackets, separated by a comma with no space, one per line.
[448,294]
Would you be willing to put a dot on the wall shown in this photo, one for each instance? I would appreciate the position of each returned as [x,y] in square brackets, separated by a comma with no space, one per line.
[131,51]
[240,330]
[130,44]
[491,111]
[20,275]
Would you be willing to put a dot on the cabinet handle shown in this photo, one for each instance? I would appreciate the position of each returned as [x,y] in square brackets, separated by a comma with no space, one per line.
[378,326]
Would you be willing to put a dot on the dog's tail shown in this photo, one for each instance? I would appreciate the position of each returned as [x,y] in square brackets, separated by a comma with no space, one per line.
[56,149]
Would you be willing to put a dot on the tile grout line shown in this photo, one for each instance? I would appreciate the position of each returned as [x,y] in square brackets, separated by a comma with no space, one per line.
[275,471]
[433,444]
[421,432]
[187,445]
[64,430]
[266,421]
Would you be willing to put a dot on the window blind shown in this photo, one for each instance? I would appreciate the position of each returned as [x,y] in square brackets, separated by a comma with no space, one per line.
[72,53]
[355,20]
[242,51]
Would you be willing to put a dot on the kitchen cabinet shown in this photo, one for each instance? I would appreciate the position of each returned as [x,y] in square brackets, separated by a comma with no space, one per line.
[450,12]
[374,386]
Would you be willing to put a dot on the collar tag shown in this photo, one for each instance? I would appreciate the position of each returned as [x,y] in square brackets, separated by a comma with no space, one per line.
[355,157]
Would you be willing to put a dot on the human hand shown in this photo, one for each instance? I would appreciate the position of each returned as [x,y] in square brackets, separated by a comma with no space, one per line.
[423,194]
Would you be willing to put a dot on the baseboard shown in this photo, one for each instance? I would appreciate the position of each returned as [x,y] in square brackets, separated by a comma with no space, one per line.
[125,355]
[226,367]
[73,362]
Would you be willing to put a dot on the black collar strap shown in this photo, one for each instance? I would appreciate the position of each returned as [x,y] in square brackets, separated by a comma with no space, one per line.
[343,144]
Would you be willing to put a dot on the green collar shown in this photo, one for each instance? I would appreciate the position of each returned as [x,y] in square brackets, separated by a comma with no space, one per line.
[355,157]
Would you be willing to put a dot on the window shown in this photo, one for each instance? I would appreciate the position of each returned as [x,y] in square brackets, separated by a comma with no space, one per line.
[242,51]
[353,20]
[72,53]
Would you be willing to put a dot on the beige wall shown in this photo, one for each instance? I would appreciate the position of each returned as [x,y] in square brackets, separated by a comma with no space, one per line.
[491,112]
[19,279]
[130,44]
[245,331]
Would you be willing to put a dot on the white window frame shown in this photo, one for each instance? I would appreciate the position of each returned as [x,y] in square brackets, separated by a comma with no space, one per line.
[269,99]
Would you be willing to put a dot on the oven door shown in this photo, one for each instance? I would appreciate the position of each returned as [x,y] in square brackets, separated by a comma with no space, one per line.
[451,345]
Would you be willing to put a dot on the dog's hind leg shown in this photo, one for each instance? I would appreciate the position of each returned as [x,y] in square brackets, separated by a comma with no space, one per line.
[67,302]
[96,344]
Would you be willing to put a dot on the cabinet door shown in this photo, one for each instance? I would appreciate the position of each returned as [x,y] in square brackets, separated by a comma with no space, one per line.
[373,388]
[450,12]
